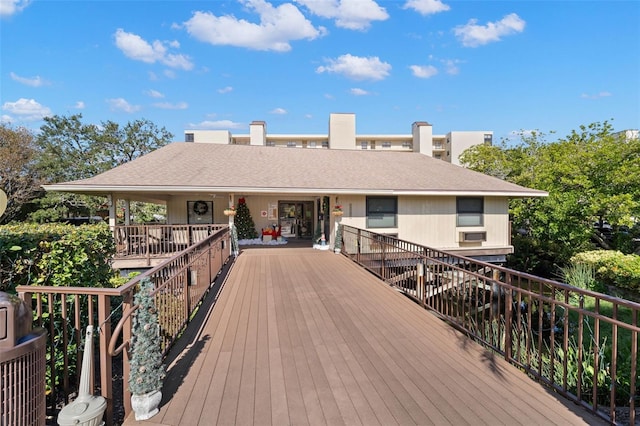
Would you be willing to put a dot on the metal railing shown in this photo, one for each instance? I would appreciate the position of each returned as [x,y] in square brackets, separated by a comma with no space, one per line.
[157,241]
[582,344]
[181,283]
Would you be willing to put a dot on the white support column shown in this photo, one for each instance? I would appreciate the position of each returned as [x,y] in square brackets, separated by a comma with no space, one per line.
[112,202]
[127,212]
[231,204]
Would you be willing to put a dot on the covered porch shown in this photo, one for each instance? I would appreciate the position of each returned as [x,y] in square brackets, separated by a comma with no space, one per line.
[191,218]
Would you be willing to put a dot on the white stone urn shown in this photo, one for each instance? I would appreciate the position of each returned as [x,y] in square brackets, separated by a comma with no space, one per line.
[146,405]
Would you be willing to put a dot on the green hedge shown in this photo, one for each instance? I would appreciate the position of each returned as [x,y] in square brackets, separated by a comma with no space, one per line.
[56,254]
[613,267]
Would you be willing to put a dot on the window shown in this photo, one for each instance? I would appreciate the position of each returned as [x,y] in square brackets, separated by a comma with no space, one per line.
[470,211]
[200,212]
[382,212]
[364,145]
[488,138]
[325,144]
[386,144]
[271,143]
[407,145]
[291,144]
[188,137]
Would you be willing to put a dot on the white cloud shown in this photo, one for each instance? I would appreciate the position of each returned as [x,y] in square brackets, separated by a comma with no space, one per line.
[596,96]
[277,27]
[357,67]
[36,81]
[217,125]
[278,111]
[10,7]
[169,74]
[154,94]
[120,104]
[225,89]
[79,105]
[169,105]
[358,92]
[135,47]
[349,14]
[451,66]
[27,109]
[473,35]
[423,71]
[426,7]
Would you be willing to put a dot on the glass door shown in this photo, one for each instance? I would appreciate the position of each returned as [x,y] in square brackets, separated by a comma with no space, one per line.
[295,219]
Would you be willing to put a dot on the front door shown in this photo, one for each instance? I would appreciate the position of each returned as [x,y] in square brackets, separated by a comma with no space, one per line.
[296,218]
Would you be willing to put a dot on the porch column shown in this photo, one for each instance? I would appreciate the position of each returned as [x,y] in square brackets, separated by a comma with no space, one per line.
[127,212]
[231,204]
[111,203]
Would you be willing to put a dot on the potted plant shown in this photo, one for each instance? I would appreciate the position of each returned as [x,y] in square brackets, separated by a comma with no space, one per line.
[147,370]
[230,211]
[337,210]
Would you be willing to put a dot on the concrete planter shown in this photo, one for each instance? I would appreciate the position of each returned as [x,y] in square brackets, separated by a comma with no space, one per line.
[146,405]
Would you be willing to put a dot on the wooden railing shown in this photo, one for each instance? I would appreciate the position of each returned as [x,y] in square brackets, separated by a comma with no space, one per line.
[181,283]
[582,344]
[158,241]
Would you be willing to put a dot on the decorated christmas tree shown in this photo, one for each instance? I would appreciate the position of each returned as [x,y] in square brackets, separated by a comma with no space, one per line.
[244,222]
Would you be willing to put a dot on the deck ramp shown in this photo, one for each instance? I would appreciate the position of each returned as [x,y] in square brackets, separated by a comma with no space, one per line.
[306,337]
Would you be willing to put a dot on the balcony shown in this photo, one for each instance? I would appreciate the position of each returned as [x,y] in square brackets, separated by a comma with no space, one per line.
[140,246]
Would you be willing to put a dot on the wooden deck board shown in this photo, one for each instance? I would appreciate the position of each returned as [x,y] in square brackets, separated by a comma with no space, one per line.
[305,337]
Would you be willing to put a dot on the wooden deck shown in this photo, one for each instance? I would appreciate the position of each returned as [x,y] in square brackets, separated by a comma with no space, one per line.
[305,337]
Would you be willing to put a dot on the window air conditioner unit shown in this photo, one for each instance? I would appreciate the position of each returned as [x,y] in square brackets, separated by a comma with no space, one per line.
[473,237]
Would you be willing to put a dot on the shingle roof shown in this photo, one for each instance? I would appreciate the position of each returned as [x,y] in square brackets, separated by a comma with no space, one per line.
[242,168]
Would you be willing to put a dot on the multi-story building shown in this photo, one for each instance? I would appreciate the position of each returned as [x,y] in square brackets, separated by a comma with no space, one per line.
[342,135]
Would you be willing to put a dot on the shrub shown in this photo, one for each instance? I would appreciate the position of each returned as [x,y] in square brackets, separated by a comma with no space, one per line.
[613,267]
[55,254]
[581,275]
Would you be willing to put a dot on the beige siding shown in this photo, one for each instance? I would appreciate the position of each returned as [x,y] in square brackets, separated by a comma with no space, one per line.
[430,221]
[177,207]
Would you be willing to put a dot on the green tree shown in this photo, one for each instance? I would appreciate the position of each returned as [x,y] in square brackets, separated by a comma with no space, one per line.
[19,178]
[591,175]
[72,150]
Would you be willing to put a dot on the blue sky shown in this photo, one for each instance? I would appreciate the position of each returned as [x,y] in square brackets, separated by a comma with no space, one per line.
[504,66]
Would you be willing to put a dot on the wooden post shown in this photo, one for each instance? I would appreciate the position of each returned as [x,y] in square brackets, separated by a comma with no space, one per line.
[106,368]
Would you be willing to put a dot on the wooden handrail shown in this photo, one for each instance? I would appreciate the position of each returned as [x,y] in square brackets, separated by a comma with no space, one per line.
[189,274]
